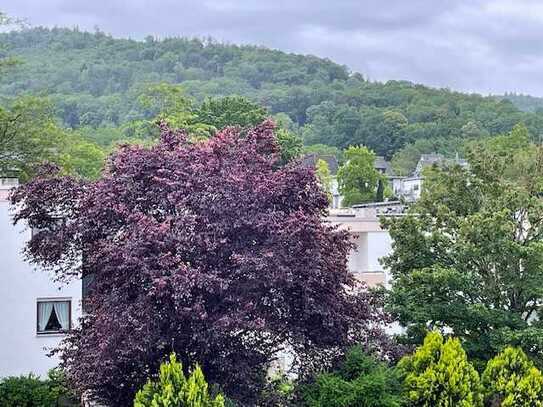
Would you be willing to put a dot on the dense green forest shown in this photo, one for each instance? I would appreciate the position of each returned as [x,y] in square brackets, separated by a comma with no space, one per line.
[103,89]
[526,103]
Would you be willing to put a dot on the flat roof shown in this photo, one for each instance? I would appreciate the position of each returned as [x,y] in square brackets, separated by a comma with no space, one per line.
[377,204]
[356,224]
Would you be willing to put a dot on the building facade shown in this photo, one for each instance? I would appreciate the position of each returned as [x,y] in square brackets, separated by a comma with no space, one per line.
[36,312]
[371,241]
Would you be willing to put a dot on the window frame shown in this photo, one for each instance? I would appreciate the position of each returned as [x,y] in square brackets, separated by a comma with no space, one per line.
[59,332]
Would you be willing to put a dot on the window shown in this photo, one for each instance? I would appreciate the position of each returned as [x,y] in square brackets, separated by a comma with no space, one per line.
[54,316]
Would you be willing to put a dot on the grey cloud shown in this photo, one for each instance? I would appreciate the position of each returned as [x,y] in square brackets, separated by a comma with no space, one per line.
[487,46]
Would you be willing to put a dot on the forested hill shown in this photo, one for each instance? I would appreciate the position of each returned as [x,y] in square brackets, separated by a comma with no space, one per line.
[526,103]
[95,80]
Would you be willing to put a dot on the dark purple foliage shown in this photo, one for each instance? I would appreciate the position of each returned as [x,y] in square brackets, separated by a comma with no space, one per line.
[210,249]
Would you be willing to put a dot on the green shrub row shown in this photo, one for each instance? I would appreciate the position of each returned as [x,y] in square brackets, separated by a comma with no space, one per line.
[438,374]
[31,391]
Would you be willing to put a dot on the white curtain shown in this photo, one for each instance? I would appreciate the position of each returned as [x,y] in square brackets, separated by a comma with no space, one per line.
[63,314]
[44,313]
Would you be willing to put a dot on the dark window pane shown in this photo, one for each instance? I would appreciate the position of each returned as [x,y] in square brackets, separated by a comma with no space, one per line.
[53,324]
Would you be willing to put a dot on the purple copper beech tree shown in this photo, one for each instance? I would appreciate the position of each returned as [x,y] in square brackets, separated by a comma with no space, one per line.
[209,249]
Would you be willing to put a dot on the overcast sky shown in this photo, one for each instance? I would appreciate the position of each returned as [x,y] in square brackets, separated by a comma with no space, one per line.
[485,46]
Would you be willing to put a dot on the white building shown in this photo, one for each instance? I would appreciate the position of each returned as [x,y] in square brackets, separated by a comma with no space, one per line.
[407,188]
[35,311]
[371,241]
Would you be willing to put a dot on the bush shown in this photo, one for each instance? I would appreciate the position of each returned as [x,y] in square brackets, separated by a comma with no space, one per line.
[66,397]
[278,392]
[439,374]
[361,380]
[30,391]
[173,389]
[511,380]
[26,391]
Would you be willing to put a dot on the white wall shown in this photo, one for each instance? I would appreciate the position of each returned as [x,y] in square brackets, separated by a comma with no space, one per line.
[379,245]
[412,187]
[370,247]
[358,258]
[21,350]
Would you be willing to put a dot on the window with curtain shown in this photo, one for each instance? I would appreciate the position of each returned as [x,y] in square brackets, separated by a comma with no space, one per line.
[54,316]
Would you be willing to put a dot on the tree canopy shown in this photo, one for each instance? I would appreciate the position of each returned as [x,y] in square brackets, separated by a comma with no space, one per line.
[359,380]
[439,374]
[468,258]
[511,380]
[30,135]
[358,180]
[174,389]
[210,250]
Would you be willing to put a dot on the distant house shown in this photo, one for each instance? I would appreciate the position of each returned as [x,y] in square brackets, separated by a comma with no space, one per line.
[310,160]
[383,166]
[363,221]
[36,312]
[409,188]
[428,160]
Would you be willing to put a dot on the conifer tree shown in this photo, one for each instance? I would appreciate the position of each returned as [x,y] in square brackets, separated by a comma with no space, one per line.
[512,380]
[438,374]
[173,389]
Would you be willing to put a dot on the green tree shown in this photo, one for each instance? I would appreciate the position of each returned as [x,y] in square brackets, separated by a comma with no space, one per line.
[511,380]
[82,157]
[31,391]
[26,391]
[166,102]
[473,130]
[389,134]
[361,380]
[173,389]
[439,374]
[284,121]
[290,144]
[357,178]
[5,60]
[468,256]
[230,111]
[30,136]
[322,171]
